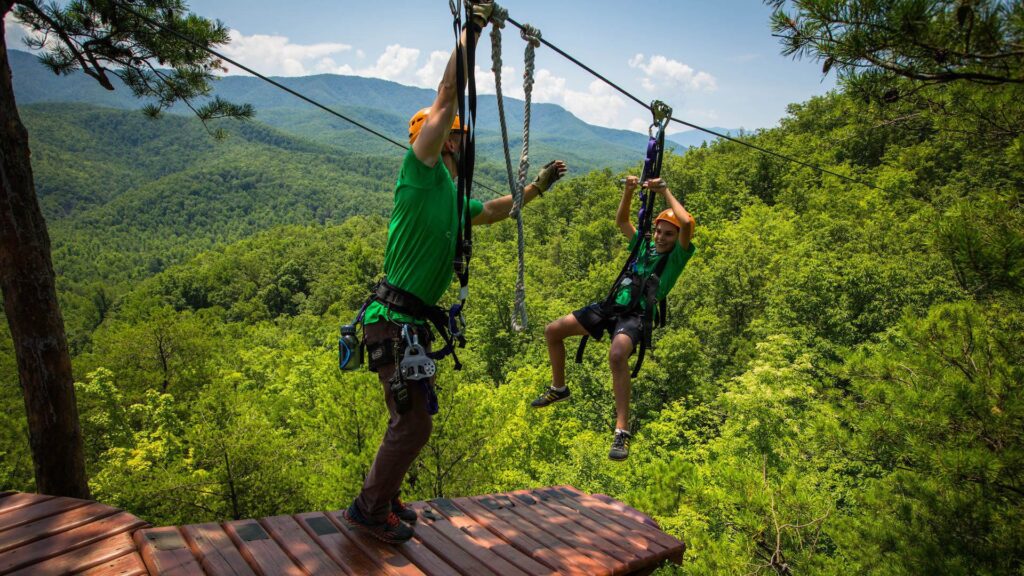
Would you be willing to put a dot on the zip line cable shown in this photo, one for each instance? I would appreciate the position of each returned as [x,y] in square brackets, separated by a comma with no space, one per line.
[565,55]
[694,126]
[191,41]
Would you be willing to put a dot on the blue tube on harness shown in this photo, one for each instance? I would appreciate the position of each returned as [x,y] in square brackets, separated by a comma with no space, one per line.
[350,351]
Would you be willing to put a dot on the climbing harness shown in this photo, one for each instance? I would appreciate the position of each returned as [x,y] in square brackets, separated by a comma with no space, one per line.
[642,291]
[412,362]
[532,37]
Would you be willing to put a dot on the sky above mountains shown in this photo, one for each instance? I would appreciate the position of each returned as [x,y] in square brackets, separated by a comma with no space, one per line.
[714,62]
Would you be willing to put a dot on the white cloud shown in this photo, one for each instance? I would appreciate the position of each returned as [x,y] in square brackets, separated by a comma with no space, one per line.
[15,32]
[278,56]
[599,104]
[429,75]
[511,82]
[397,63]
[661,73]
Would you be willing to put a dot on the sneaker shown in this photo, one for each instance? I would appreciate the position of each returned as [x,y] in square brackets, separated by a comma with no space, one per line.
[392,530]
[550,396]
[404,513]
[620,445]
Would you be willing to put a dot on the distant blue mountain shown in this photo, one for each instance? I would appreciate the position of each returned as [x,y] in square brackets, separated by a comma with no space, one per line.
[696,137]
[380,104]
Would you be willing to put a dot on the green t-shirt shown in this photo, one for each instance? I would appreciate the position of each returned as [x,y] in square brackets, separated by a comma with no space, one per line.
[421,236]
[647,261]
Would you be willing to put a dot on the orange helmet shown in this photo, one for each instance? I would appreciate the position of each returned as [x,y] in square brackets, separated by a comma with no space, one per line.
[670,217]
[417,120]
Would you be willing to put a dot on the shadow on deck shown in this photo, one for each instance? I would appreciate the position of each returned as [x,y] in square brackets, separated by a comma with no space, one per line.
[557,530]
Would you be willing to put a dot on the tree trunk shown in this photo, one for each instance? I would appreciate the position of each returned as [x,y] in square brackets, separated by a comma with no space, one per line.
[30,302]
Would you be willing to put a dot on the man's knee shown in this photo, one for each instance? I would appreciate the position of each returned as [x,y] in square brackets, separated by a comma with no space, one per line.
[413,428]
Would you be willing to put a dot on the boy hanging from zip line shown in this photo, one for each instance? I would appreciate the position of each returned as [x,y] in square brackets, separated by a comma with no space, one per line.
[418,267]
[623,314]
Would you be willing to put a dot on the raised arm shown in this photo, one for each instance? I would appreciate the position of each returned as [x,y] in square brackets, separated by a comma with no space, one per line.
[438,124]
[498,209]
[622,215]
[686,232]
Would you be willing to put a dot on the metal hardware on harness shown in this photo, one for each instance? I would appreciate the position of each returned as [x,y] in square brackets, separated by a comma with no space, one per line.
[415,365]
[660,111]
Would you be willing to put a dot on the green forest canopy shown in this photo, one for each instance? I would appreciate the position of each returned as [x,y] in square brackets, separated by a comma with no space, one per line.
[840,382]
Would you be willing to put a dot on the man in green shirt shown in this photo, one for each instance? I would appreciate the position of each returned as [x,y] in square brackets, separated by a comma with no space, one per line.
[418,267]
[623,319]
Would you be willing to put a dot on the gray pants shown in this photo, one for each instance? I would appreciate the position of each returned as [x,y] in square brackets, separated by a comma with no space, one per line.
[406,434]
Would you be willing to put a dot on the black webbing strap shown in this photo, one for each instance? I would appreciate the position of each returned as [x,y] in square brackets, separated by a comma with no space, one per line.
[648,321]
[650,293]
[465,79]
[652,169]
[402,302]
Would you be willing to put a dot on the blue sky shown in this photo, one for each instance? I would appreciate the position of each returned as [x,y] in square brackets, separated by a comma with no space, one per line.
[714,62]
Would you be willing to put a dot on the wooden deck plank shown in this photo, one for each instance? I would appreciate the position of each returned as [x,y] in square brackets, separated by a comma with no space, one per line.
[414,550]
[302,549]
[215,550]
[387,555]
[80,559]
[165,552]
[558,530]
[635,539]
[67,541]
[127,565]
[458,549]
[595,535]
[17,500]
[514,530]
[627,510]
[485,537]
[27,514]
[627,520]
[260,550]
[53,524]
[341,549]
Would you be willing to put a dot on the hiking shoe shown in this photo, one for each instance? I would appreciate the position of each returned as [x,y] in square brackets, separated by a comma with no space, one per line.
[550,396]
[620,445]
[404,513]
[392,530]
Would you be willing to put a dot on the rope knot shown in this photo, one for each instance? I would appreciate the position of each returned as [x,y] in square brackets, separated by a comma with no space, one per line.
[498,16]
[531,35]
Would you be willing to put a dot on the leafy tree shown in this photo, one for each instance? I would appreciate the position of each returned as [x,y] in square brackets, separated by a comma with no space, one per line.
[961,58]
[100,38]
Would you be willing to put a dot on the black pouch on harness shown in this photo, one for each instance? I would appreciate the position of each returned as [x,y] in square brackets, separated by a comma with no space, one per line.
[400,392]
[385,352]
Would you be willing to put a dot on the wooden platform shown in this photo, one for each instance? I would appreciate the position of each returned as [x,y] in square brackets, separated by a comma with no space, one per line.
[557,530]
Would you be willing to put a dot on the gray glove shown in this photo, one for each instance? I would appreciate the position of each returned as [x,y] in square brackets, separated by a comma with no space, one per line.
[549,174]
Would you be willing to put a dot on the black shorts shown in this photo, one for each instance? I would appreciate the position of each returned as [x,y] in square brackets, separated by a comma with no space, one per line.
[596,322]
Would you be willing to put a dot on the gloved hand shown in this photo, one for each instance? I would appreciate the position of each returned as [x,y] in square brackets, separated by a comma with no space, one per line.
[481,10]
[549,174]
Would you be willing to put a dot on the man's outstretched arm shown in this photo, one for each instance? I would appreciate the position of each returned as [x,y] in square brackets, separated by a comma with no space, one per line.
[498,209]
[438,124]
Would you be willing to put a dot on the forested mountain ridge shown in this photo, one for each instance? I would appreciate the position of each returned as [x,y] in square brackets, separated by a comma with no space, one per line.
[384,106]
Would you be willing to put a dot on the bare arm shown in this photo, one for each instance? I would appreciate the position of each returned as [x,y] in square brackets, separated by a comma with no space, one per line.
[498,209]
[685,218]
[438,124]
[622,215]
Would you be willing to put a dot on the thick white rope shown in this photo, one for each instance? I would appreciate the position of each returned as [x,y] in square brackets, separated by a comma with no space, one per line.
[532,38]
